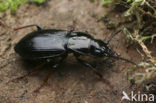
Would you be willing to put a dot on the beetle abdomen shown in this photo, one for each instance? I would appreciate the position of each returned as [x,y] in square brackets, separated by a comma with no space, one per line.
[42,44]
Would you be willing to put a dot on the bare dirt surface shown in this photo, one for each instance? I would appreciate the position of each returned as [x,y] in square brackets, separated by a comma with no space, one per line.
[76,84]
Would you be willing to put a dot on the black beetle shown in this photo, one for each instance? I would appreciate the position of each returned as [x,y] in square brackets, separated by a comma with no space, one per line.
[47,44]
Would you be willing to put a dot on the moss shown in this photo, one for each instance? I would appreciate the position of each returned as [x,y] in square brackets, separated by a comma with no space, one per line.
[14,4]
[142,14]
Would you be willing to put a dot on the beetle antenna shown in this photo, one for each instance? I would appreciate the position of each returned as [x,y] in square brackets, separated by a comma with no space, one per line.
[113,35]
[127,60]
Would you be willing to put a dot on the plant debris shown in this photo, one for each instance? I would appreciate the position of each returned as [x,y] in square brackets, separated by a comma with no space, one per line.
[140,19]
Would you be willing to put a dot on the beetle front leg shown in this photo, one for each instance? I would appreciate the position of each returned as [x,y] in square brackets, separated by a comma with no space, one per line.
[90,66]
[94,70]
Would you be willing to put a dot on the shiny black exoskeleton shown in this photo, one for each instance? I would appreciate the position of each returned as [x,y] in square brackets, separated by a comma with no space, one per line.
[48,44]
[51,43]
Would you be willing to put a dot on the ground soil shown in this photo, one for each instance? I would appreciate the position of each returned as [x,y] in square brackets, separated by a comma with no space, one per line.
[74,83]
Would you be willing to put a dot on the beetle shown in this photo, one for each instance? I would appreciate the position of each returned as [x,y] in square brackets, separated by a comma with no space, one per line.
[48,44]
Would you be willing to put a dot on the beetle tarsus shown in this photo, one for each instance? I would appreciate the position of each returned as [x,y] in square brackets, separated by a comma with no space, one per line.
[6,26]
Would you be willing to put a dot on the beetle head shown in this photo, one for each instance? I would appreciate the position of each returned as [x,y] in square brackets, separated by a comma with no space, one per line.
[100,48]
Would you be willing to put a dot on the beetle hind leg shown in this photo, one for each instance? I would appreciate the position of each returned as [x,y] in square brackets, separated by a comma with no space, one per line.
[27,26]
[55,66]
[19,28]
[47,78]
[44,82]
[29,73]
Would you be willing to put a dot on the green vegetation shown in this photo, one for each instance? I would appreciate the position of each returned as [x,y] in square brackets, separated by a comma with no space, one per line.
[141,13]
[141,27]
[105,2]
[92,0]
[14,4]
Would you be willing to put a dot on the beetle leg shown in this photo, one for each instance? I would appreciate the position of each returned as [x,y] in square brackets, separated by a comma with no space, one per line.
[90,66]
[94,70]
[5,26]
[46,79]
[27,26]
[49,74]
[15,29]
[73,27]
[33,71]
[44,82]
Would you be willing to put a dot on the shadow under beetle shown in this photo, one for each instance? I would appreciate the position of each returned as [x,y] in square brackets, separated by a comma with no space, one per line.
[47,44]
